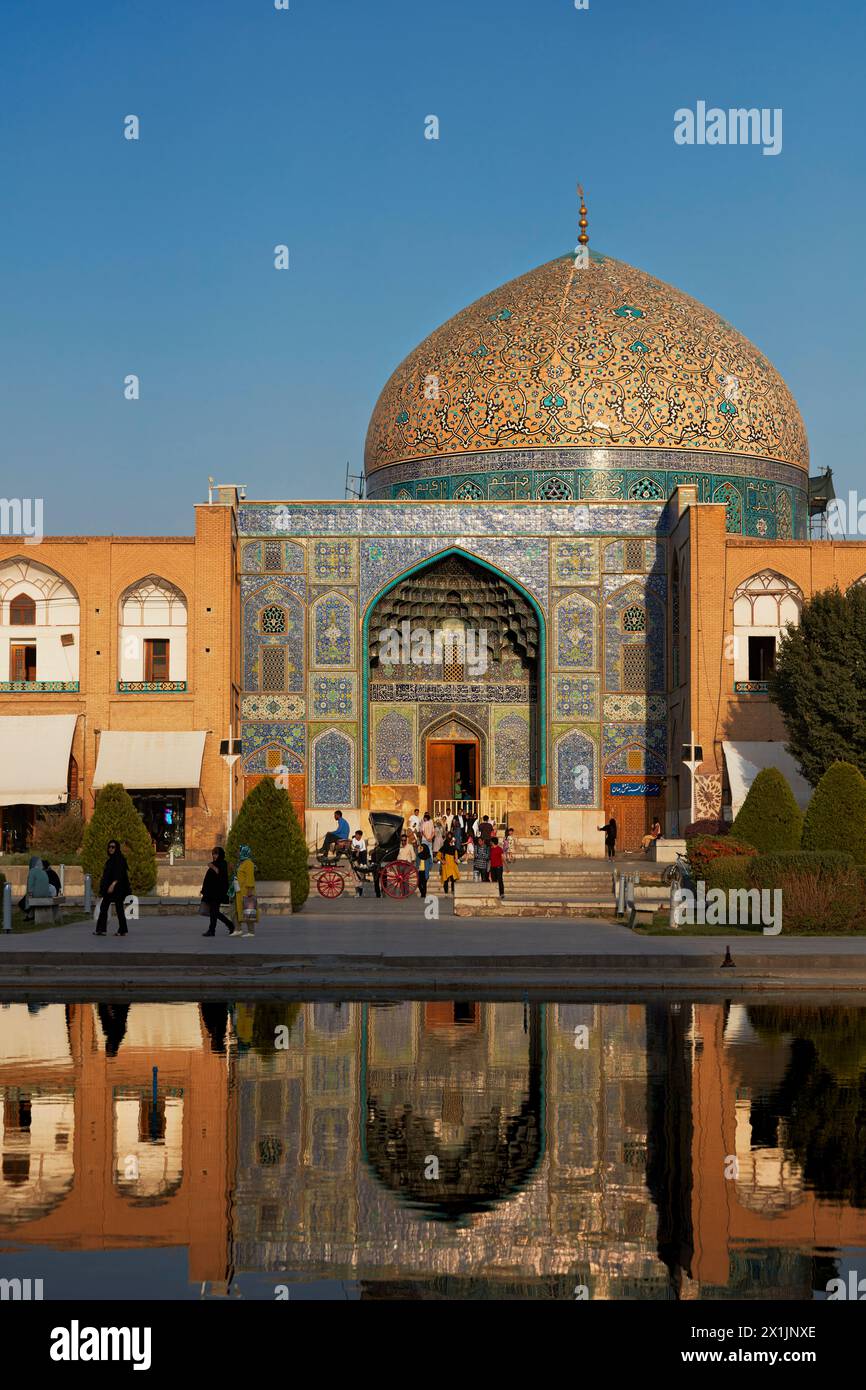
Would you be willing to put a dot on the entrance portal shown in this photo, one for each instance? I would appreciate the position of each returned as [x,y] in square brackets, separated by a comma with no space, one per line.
[452,770]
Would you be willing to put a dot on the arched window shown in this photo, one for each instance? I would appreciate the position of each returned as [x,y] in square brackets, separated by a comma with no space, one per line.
[765,606]
[153,621]
[22,611]
[37,598]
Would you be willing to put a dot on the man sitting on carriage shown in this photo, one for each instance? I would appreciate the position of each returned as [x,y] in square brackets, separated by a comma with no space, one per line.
[338,837]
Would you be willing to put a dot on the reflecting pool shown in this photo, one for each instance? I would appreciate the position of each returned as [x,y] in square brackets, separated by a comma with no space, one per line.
[433,1149]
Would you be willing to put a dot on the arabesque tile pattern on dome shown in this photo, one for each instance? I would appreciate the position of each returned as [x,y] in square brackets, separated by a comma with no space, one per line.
[565,358]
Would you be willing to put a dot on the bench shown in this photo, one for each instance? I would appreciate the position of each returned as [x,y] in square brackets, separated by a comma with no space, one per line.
[644,901]
[45,910]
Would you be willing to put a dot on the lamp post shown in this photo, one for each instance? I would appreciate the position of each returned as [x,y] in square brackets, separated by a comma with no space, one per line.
[230,750]
[692,757]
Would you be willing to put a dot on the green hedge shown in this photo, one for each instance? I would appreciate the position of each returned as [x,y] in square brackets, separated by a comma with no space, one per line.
[836,817]
[730,872]
[821,892]
[769,818]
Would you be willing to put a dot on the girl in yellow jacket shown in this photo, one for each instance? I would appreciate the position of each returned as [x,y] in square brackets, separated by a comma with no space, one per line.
[448,858]
[245,878]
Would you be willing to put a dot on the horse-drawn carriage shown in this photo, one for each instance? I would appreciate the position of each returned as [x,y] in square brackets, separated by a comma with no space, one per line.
[396,877]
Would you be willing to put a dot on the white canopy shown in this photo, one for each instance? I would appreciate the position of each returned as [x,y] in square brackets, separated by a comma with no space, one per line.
[140,760]
[745,760]
[34,758]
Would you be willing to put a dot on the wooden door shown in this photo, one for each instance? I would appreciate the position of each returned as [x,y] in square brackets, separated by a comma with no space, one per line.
[634,812]
[440,772]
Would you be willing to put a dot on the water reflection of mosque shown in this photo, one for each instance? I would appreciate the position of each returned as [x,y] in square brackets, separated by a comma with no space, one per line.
[555,1164]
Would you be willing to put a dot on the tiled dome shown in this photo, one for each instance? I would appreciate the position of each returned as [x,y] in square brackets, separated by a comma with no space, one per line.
[575,365]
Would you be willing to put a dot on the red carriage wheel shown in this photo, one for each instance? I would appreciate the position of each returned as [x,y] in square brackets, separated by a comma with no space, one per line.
[330,883]
[399,879]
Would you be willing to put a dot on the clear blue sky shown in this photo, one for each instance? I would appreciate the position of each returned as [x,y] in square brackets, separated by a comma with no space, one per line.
[306,127]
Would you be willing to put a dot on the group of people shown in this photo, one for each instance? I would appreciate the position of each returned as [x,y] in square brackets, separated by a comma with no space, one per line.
[217,890]
[450,842]
[42,882]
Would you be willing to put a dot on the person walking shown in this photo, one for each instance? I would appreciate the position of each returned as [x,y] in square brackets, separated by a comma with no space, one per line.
[457,830]
[428,829]
[113,888]
[450,871]
[482,858]
[496,861]
[215,890]
[246,905]
[610,837]
[423,860]
[415,821]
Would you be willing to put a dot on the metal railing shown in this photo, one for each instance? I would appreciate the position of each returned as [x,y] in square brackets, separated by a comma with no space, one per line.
[470,808]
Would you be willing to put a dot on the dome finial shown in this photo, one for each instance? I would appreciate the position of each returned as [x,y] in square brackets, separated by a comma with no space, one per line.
[583,239]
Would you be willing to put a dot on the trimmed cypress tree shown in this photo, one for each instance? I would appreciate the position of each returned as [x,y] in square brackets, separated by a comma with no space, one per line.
[769,818]
[836,815]
[268,824]
[115,818]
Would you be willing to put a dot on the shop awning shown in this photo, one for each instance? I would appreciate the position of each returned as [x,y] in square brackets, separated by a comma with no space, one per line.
[745,760]
[140,761]
[34,758]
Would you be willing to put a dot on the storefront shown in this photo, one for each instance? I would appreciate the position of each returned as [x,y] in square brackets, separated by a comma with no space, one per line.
[161,772]
[36,769]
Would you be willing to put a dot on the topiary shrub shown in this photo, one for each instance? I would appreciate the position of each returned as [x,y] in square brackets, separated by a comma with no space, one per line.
[703,850]
[769,818]
[268,824]
[836,815]
[115,818]
[821,892]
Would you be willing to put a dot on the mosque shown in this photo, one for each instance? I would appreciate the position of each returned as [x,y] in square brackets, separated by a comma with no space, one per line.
[592,494]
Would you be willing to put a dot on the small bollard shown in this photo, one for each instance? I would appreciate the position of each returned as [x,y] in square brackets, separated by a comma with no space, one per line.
[7,907]
[673,924]
[88,894]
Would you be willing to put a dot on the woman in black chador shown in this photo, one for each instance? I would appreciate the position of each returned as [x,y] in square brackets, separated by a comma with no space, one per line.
[215,890]
[113,888]
[610,837]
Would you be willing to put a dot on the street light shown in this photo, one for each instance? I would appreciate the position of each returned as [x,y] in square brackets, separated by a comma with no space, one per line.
[692,756]
[230,750]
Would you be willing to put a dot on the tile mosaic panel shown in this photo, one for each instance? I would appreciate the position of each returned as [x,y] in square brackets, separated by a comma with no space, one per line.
[334,697]
[575,760]
[575,697]
[333,631]
[256,598]
[575,627]
[272,706]
[639,748]
[512,744]
[260,764]
[394,744]
[291,736]
[636,709]
[333,779]
[334,561]
[431,519]
[621,633]
[575,562]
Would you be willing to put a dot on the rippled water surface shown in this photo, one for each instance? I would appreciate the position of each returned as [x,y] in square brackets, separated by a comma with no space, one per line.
[433,1150]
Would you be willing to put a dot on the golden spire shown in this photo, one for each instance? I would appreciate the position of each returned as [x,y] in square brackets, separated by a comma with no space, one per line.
[583,239]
